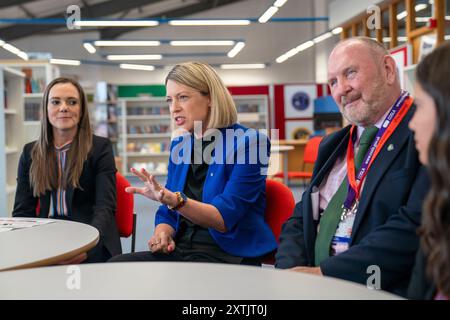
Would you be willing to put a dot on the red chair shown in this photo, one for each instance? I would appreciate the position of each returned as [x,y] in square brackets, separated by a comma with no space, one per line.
[280,205]
[309,157]
[125,216]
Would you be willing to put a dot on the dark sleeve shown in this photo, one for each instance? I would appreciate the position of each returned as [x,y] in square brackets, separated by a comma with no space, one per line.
[25,203]
[105,188]
[291,250]
[391,247]
[420,288]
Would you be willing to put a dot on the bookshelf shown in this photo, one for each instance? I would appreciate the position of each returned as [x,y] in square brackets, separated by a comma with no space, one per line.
[106,112]
[145,134]
[11,134]
[38,74]
[252,111]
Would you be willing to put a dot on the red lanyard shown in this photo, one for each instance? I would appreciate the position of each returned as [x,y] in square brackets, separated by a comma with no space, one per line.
[351,174]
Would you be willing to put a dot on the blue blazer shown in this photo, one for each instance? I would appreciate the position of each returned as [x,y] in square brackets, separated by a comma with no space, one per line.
[235,187]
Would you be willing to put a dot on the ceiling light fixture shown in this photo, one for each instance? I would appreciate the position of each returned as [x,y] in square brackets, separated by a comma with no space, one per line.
[89,47]
[243,66]
[126,43]
[236,49]
[65,62]
[116,23]
[137,67]
[134,57]
[209,22]
[203,43]
[268,14]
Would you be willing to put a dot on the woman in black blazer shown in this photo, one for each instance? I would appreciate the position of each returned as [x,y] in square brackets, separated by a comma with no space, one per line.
[431,126]
[69,171]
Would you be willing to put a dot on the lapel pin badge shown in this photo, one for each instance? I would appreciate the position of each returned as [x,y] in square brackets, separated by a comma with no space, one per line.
[390,147]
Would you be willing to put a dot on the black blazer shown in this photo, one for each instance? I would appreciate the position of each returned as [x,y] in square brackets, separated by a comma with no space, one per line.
[94,203]
[384,231]
[420,286]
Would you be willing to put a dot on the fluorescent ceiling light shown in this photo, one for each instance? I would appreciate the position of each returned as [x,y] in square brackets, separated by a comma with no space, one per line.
[89,47]
[401,15]
[2,43]
[136,67]
[126,43]
[268,14]
[23,55]
[134,57]
[279,3]
[66,62]
[116,23]
[294,51]
[401,39]
[417,8]
[420,7]
[209,22]
[337,30]
[447,37]
[237,48]
[203,43]
[243,66]
[11,48]
[323,37]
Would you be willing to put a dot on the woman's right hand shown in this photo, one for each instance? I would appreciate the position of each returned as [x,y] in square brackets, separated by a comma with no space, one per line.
[161,242]
[152,189]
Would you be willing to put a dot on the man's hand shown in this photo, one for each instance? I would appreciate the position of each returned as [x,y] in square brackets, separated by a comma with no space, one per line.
[310,270]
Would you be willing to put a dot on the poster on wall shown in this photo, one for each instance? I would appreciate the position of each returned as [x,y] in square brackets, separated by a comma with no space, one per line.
[299,129]
[427,44]
[403,57]
[299,101]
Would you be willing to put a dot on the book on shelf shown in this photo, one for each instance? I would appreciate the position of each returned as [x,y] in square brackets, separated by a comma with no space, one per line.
[33,83]
[32,111]
[141,111]
[153,167]
[148,147]
[148,129]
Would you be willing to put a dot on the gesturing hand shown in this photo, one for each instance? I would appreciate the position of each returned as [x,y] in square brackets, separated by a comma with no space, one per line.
[152,189]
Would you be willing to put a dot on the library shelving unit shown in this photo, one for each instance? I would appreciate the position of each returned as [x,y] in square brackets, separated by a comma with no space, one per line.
[11,134]
[105,113]
[145,134]
[252,111]
[38,74]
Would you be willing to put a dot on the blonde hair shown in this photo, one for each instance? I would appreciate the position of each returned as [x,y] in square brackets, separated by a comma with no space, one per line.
[203,78]
[44,166]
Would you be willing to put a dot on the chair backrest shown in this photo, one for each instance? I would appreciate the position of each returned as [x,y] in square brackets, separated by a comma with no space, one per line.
[311,150]
[280,204]
[125,207]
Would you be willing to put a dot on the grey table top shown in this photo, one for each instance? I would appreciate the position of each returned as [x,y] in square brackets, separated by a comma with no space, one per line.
[46,244]
[176,280]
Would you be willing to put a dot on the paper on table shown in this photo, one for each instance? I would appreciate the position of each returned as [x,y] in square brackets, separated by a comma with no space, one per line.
[11,224]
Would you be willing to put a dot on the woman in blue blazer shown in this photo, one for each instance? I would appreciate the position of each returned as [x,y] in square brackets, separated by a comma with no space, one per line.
[212,207]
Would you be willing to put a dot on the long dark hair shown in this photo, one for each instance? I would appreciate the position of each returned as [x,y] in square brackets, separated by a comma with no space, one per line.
[433,74]
[44,169]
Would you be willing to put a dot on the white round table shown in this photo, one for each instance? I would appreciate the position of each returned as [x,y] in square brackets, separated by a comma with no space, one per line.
[45,244]
[176,280]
